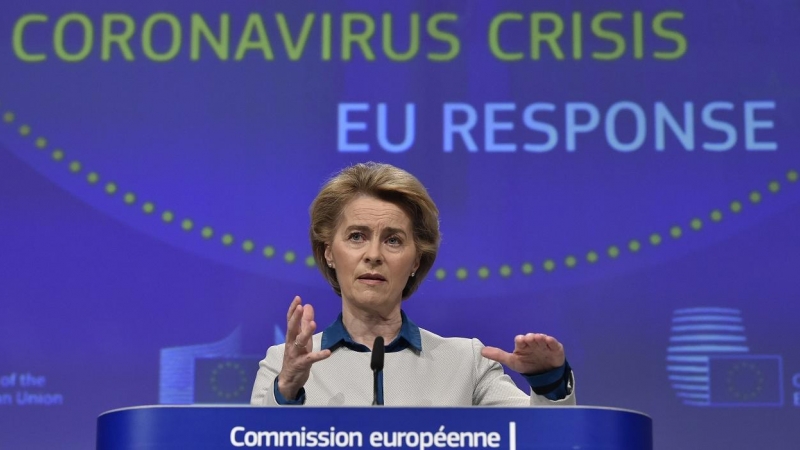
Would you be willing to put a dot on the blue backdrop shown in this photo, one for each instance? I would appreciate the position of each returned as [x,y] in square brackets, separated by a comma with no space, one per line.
[620,174]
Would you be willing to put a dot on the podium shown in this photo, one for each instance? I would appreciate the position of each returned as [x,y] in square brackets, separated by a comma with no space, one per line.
[426,428]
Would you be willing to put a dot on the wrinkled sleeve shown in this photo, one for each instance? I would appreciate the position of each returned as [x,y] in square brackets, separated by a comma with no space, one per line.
[264,386]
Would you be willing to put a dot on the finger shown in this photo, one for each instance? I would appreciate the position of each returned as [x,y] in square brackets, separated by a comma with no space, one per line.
[541,341]
[316,357]
[307,324]
[296,301]
[308,315]
[496,354]
[294,326]
[544,342]
[304,338]
[552,350]
[524,343]
[536,341]
[552,344]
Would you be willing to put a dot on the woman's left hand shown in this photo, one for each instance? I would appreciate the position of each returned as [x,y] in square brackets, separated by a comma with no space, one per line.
[534,353]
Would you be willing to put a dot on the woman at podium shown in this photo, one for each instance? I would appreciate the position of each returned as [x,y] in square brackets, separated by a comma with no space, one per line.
[375,236]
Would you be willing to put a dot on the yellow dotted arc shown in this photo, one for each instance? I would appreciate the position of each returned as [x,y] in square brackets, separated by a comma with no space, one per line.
[633,246]
[167,216]
[527,268]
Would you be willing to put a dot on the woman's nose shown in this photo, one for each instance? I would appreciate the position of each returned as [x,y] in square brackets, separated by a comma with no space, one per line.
[373,252]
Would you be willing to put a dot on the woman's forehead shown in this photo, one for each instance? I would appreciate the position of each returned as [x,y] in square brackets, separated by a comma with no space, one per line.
[370,212]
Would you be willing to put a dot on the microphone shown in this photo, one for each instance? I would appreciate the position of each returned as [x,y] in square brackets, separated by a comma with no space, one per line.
[376,364]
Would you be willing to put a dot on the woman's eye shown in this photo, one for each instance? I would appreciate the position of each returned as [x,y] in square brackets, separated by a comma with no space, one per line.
[356,237]
[393,241]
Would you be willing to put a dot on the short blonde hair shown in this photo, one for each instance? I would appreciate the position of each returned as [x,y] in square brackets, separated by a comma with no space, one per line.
[387,183]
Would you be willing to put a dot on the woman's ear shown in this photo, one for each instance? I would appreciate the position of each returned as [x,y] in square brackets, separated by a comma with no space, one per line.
[328,255]
[416,263]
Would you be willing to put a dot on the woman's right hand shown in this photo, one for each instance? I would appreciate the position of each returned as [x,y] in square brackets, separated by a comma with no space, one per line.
[298,355]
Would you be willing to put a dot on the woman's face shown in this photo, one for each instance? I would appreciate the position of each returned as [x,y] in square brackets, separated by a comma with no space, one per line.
[373,253]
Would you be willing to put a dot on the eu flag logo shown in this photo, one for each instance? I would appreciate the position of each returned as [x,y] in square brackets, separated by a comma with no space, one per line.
[745,380]
[224,380]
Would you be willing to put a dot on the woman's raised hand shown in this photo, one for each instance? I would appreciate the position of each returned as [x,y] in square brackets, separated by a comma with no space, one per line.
[533,353]
[298,354]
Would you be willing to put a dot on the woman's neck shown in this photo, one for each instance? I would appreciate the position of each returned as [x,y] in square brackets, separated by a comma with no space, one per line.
[365,326]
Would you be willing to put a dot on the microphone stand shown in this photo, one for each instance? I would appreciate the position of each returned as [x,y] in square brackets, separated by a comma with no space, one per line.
[376,364]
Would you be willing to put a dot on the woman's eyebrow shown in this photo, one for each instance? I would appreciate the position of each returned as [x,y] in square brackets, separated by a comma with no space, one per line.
[393,230]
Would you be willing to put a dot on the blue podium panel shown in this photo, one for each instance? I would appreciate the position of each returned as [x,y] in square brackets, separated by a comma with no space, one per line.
[228,427]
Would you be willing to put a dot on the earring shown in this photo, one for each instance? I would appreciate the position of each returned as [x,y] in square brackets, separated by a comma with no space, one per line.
[412,274]
[330,264]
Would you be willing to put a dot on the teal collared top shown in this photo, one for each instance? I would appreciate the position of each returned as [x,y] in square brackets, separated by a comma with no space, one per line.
[336,336]
[552,384]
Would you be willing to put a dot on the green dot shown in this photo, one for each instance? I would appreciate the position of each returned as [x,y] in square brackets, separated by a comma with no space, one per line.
[207,232]
[247,245]
[111,188]
[129,198]
[227,239]
[675,232]
[310,261]
[570,261]
[696,224]
[549,265]
[24,130]
[92,177]
[8,117]
[527,268]
[634,246]
[774,187]
[167,216]
[75,166]
[289,256]
[613,251]
[592,257]
[736,206]
[461,274]
[655,239]
[791,176]
[483,272]
[505,271]
[148,207]
[440,274]
[187,224]
[755,197]
[716,215]
[269,251]
[41,142]
[58,155]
